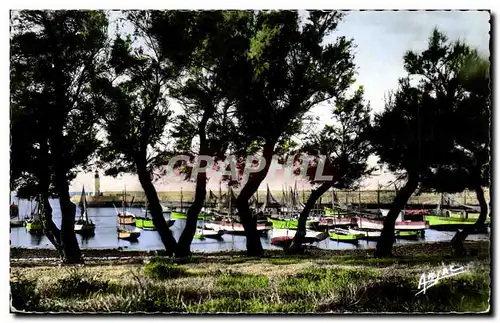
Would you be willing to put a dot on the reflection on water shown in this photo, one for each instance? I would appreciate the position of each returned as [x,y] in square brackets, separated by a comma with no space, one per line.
[106,235]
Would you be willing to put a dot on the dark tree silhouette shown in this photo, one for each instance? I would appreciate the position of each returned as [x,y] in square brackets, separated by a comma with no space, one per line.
[287,70]
[345,146]
[418,130]
[54,57]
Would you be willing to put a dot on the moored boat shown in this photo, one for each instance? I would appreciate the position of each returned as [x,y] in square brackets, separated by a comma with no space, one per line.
[202,233]
[183,215]
[410,235]
[366,234]
[373,224]
[283,223]
[130,234]
[233,227]
[333,222]
[284,235]
[84,225]
[33,223]
[344,235]
[33,226]
[146,222]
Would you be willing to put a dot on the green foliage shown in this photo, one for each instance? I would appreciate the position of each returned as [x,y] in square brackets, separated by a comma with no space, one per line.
[24,293]
[287,71]
[317,281]
[164,270]
[422,128]
[284,261]
[241,283]
[345,142]
[79,283]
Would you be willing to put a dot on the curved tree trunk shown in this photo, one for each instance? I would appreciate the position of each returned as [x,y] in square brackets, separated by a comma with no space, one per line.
[386,240]
[50,229]
[296,245]
[71,250]
[249,222]
[184,244]
[457,242]
[159,222]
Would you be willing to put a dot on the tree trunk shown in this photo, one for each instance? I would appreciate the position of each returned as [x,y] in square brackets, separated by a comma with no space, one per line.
[296,245]
[156,210]
[71,250]
[50,229]
[184,244]
[249,222]
[457,242]
[386,240]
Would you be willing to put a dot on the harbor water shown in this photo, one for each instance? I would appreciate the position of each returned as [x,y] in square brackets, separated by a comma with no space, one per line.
[106,236]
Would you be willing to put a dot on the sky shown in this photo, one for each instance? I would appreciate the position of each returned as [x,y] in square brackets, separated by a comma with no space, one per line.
[381,38]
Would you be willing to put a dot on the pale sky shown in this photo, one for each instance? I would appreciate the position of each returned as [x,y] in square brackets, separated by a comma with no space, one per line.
[382,38]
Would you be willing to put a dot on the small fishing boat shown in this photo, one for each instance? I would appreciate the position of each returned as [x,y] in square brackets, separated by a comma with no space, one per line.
[281,240]
[279,236]
[366,234]
[330,212]
[146,222]
[129,234]
[283,223]
[183,215]
[33,223]
[232,227]
[83,225]
[410,235]
[334,222]
[124,216]
[344,235]
[14,213]
[373,224]
[203,233]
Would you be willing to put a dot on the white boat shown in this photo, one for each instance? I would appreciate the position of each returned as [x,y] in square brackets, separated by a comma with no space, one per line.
[84,225]
[373,224]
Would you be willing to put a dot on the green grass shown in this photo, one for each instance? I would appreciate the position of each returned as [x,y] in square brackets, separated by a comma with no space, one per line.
[354,283]
[163,269]
[238,284]
[284,261]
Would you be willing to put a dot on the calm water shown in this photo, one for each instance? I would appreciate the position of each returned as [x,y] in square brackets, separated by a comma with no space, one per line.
[106,236]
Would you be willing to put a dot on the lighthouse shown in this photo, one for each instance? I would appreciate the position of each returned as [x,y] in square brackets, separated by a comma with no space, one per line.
[97,184]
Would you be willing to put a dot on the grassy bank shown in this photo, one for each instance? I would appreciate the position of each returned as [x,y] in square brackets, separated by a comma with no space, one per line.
[336,283]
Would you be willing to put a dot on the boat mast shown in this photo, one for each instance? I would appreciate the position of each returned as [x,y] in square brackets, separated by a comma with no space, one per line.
[181,200]
[230,200]
[333,208]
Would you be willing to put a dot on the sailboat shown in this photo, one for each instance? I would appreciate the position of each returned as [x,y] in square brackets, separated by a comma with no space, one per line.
[124,216]
[130,234]
[203,232]
[83,225]
[146,222]
[126,232]
[14,213]
[34,223]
